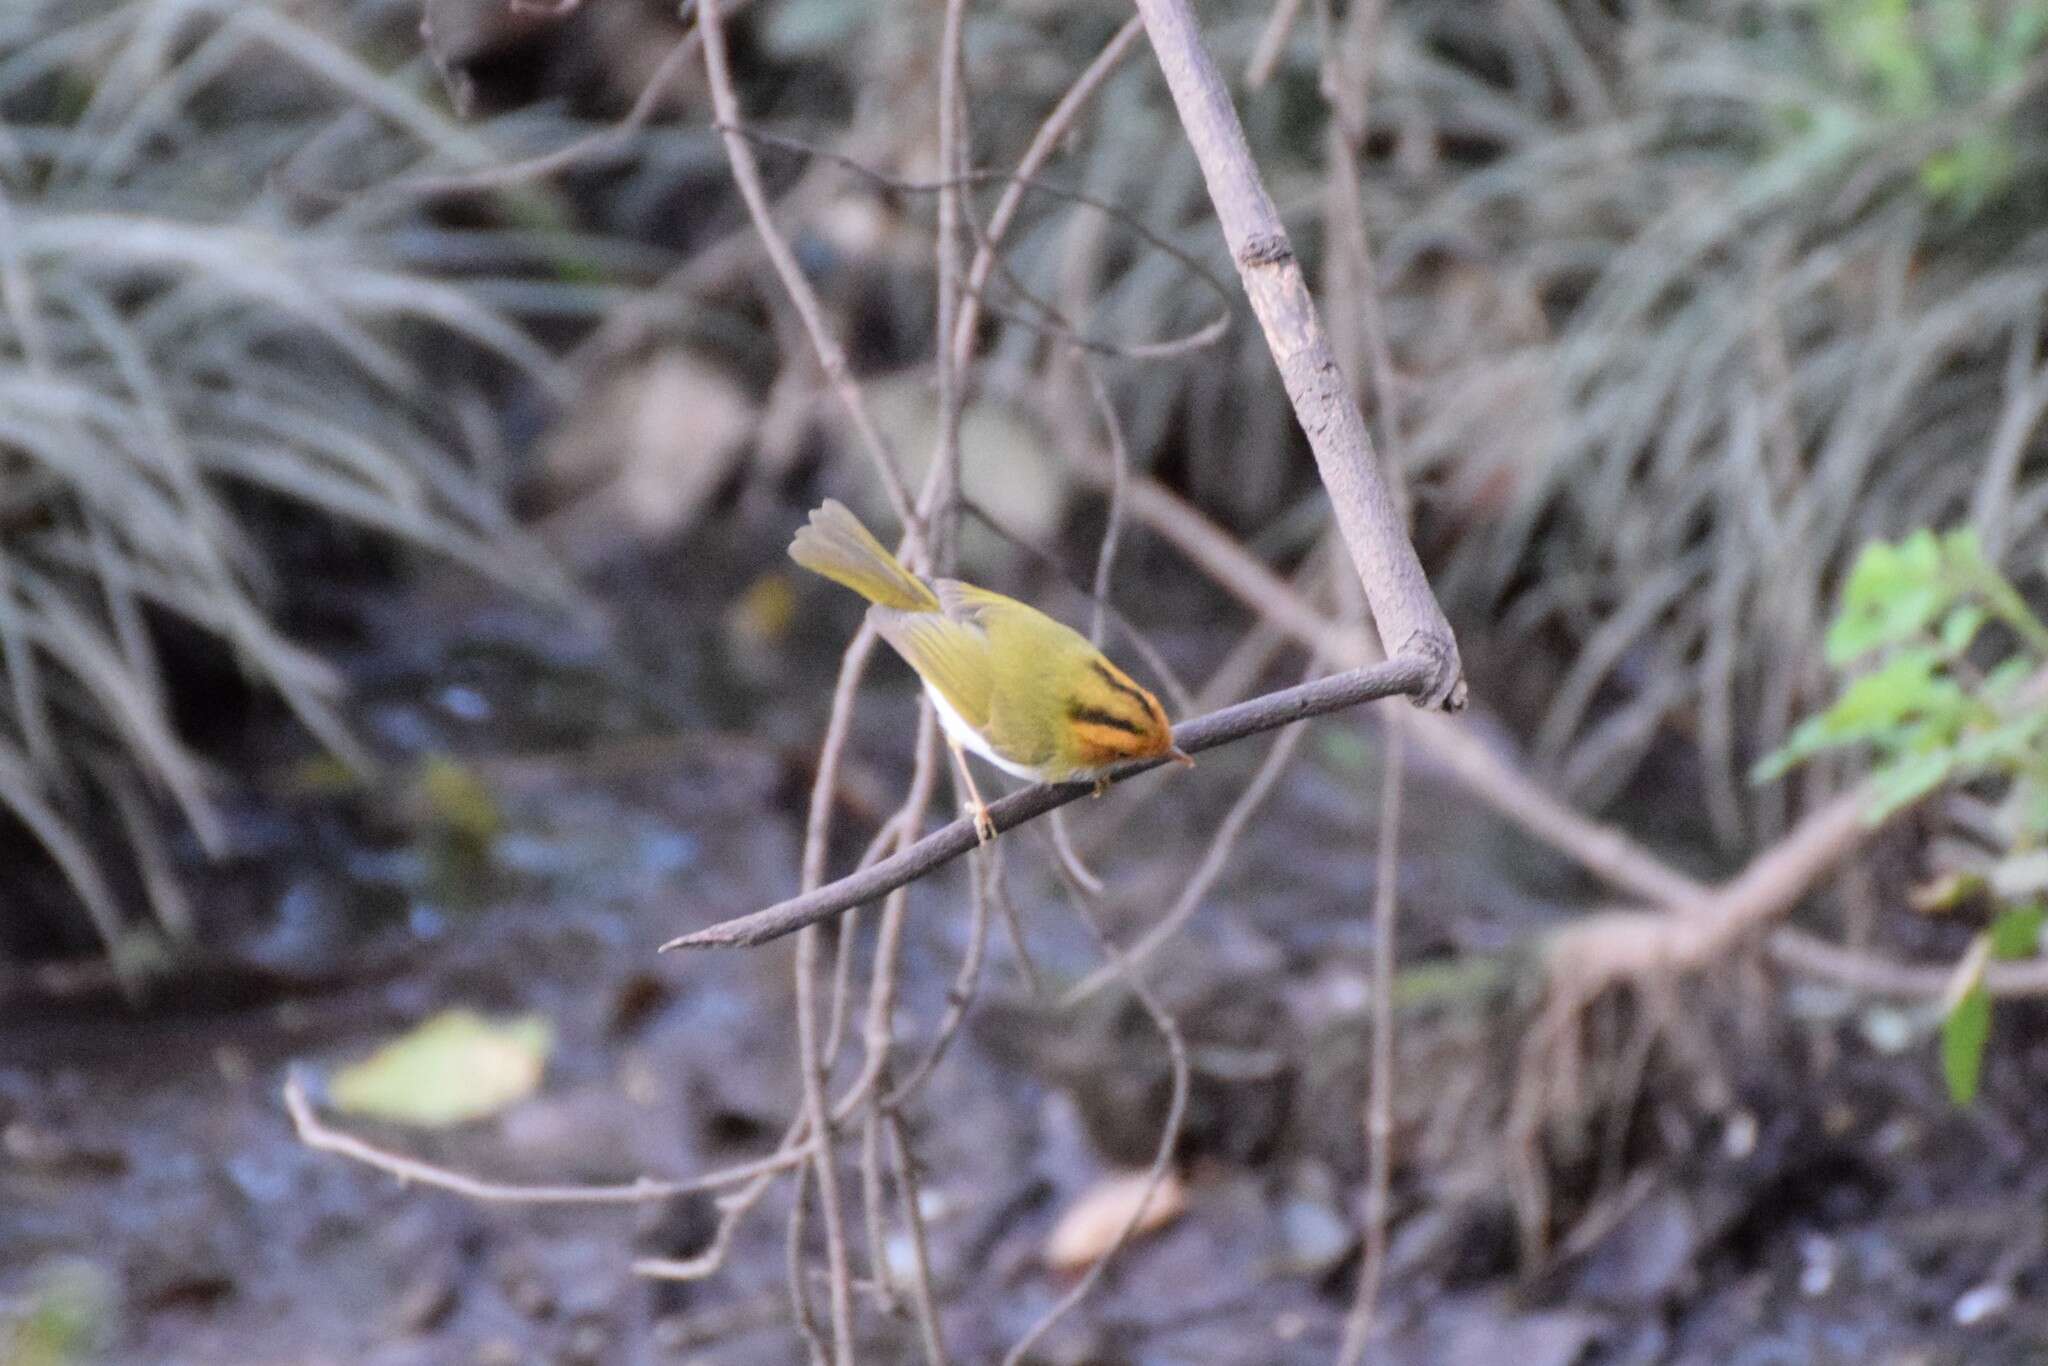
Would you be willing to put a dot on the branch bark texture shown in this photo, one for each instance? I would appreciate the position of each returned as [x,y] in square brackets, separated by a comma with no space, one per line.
[1411,624]
[1407,676]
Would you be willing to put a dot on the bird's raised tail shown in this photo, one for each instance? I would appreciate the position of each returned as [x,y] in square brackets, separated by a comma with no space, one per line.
[836,545]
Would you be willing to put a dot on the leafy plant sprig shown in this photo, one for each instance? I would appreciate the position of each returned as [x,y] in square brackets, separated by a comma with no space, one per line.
[1920,617]
[1912,60]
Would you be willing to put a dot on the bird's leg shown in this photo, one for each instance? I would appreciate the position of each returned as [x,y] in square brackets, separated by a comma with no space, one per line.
[984,828]
[1101,785]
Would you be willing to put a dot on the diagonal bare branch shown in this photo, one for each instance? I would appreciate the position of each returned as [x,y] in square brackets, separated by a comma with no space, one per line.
[1395,677]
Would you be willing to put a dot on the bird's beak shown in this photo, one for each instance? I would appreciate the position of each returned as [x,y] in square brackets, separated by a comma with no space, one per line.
[1181,757]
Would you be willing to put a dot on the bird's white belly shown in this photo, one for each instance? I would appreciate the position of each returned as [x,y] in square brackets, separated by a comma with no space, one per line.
[967,737]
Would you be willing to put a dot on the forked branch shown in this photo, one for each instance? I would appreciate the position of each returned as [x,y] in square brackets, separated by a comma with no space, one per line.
[1410,622]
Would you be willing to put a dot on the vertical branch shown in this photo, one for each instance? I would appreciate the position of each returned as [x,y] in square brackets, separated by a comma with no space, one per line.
[1348,276]
[939,500]
[793,1260]
[746,175]
[1043,143]
[920,1254]
[1119,471]
[1169,1133]
[1404,609]
[871,1198]
[1379,1105]
[813,1067]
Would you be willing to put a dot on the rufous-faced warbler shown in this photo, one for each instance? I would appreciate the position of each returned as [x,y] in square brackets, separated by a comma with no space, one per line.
[1026,693]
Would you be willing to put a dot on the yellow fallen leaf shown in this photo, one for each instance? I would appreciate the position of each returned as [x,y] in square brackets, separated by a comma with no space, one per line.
[457,1066]
[1091,1225]
[763,612]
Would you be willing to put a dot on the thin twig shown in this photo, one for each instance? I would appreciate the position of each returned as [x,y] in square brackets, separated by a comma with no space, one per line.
[1043,143]
[942,493]
[823,1155]
[1258,69]
[794,1270]
[1379,1106]
[921,1294]
[961,995]
[733,1209]
[1597,951]
[1169,1132]
[974,291]
[1603,850]
[1270,712]
[1119,469]
[746,175]
[1215,858]
[317,1134]
[1013,923]
[1864,971]
[872,1200]
[588,147]
[1063,849]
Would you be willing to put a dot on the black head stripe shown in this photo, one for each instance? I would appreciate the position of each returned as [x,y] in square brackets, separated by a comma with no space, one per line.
[1137,695]
[1095,716]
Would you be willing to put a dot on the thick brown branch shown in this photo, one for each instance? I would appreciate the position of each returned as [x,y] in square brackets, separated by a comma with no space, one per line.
[1406,612]
[1406,676]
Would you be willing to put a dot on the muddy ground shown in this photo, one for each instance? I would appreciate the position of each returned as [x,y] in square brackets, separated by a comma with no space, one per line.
[1791,1186]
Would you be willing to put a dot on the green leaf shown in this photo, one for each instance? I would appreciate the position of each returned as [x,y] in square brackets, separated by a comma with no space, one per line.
[1904,781]
[1808,738]
[65,1318]
[1963,1035]
[2017,932]
[1960,627]
[1878,703]
[1893,593]
[1970,173]
[453,796]
[2008,745]
[456,1067]
[2004,680]
[1963,549]
[2023,815]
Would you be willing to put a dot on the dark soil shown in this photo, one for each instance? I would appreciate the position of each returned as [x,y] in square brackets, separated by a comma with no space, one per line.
[1772,1192]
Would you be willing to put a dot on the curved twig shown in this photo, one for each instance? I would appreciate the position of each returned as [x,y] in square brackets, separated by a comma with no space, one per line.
[318,1135]
[746,176]
[976,276]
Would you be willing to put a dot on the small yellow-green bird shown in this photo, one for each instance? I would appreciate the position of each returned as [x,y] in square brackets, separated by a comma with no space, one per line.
[1026,693]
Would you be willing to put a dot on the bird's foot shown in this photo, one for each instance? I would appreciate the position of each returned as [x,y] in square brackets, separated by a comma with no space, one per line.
[984,825]
[1101,785]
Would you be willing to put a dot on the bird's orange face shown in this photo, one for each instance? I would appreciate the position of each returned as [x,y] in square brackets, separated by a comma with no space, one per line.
[1110,719]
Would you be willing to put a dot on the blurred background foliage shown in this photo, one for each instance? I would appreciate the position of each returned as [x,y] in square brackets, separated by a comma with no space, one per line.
[1685,303]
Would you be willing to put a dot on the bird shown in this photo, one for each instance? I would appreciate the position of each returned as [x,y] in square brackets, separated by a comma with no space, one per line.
[1025,692]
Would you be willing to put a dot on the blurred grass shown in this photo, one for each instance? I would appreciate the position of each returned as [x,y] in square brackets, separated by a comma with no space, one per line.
[1779,282]
[190,338]
[1687,301]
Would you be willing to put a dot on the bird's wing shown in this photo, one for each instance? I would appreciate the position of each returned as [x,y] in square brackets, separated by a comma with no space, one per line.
[950,656]
[964,602]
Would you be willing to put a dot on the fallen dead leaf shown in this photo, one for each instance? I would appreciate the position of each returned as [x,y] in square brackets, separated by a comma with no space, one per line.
[456,1067]
[1091,1225]
[644,454]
